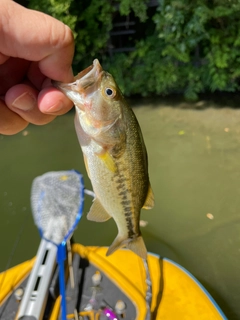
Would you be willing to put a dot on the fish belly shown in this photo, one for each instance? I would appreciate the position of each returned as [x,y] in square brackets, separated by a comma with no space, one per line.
[112,189]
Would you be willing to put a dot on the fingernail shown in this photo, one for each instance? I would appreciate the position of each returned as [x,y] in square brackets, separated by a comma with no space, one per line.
[56,107]
[25,102]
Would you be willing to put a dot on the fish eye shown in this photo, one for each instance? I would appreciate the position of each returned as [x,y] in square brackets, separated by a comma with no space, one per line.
[110,92]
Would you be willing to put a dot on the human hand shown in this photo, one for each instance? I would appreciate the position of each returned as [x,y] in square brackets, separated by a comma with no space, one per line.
[34,49]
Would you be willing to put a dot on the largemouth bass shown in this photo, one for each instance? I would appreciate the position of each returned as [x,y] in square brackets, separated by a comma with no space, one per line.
[114,154]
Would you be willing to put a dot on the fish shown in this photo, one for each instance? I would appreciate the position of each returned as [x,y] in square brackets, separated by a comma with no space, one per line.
[114,153]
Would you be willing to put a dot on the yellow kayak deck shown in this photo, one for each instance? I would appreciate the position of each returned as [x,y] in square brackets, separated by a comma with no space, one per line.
[176,294]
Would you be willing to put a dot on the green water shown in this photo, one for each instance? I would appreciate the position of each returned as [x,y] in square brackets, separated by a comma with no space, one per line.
[194,164]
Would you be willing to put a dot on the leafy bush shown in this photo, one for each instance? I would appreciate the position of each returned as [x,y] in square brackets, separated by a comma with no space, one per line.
[182,46]
[202,37]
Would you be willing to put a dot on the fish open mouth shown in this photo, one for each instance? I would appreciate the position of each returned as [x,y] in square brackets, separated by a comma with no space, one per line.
[86,78]
[92,71]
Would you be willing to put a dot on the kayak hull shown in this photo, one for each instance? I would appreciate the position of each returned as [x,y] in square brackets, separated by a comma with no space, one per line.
[176,294]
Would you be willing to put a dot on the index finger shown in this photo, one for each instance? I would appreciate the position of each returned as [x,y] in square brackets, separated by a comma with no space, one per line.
[35,36]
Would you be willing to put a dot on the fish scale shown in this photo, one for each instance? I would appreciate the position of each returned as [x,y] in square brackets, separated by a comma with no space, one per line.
[127,205]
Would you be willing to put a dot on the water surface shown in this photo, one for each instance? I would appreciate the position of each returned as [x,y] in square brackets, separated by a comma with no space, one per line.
[194,164]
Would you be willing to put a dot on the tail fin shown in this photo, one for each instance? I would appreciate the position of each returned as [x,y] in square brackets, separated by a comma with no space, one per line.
[137,245]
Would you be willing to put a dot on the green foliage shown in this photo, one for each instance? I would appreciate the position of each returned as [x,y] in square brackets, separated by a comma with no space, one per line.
[93,27]
[90,22]
[202,37]
[139,7]
[184,45]
[59,9]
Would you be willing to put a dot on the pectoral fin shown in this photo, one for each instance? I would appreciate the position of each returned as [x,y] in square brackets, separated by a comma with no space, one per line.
[97,212]
[149,202]
[108,160]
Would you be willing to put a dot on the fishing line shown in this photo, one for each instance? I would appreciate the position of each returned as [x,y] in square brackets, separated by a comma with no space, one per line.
[18,238]
[14,248]
[146,279]
[148,282]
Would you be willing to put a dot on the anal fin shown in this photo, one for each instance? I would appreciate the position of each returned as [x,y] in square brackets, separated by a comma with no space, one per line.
[97,212]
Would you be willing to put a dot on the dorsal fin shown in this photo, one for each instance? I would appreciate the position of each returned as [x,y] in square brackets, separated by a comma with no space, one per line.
[97,212]
[149,202]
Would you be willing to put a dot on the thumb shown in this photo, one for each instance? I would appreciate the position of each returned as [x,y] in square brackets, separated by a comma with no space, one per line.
[35,36]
